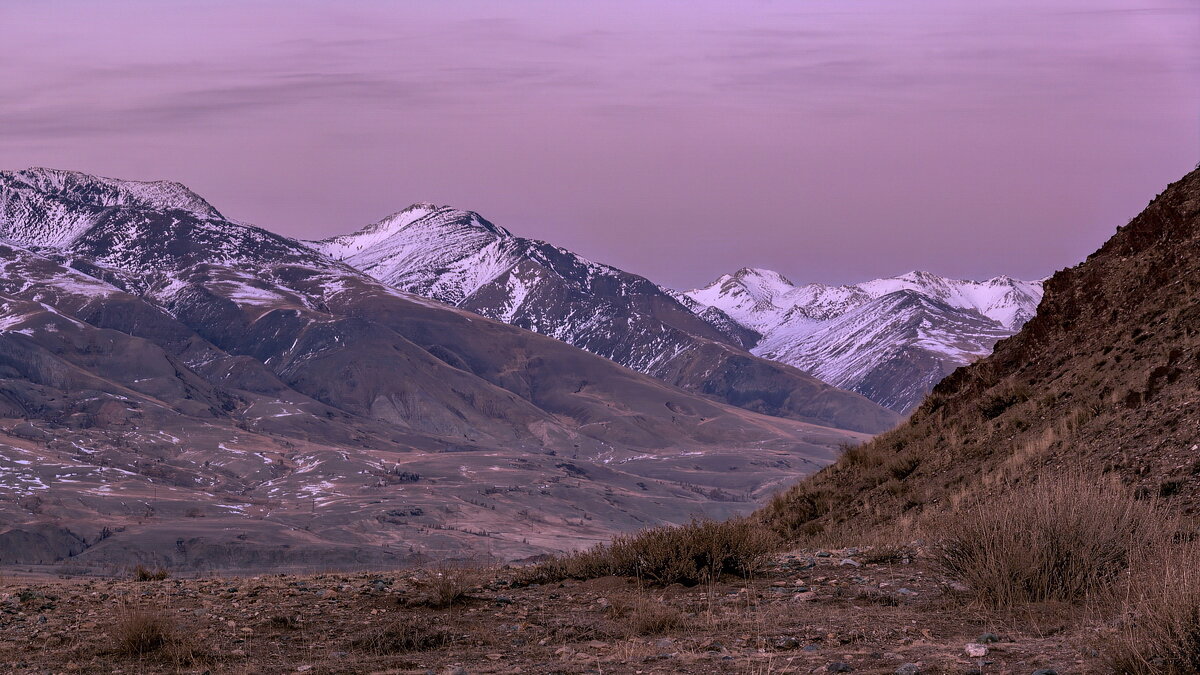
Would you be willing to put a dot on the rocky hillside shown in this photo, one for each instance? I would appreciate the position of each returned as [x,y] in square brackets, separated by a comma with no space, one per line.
[888,339]
[182,388]
[1104,379]
[458,257]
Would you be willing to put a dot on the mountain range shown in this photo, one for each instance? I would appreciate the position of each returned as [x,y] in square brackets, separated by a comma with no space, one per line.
[460,258]
[184,389]
[428,385]
[890,339]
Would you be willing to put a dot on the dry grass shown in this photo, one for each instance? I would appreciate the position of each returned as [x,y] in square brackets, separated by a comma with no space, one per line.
[449,584]
[143,573]
[1062,538]
[150,635]
[646,616]
[698,552]
[1160,622]
[408,634]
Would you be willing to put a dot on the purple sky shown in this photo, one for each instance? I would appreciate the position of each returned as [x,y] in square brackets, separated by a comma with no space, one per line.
[833,141]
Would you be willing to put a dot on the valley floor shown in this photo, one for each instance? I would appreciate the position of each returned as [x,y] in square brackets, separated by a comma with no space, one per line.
[872,611]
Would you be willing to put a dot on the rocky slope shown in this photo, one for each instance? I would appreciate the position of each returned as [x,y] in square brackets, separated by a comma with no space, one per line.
[179,387]
[888,339]
[460,258]
[1103,379]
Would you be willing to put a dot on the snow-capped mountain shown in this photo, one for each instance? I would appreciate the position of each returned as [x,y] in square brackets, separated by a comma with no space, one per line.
[458,257]
[888,339]
[159,360]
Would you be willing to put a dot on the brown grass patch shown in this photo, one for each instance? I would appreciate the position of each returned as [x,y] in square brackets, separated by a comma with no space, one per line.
[149,634]
[1062,538]
[408,634]
[143,573]
[698,552]
[1160,621]
[450,584]
[646,616]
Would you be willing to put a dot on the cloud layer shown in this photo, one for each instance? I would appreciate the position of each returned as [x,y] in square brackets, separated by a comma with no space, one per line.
[833,141]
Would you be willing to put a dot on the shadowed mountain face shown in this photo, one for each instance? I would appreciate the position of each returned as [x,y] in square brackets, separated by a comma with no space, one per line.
[462,259]
[216,395]
[890,340]
[1104,379]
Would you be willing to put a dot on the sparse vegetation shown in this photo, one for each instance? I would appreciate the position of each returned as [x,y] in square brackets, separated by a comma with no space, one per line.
[1061,538]
[1160,621]
[698,552]
[144,573]
[142,634]
[404,635]
[646,616]
[449,584]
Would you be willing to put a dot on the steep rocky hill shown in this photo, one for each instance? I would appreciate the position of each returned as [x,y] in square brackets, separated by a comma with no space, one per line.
[1105,378]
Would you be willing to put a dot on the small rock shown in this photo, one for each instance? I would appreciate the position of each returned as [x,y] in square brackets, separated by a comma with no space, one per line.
[303,669]
[839,667]
[786,643]
[851,563]
[908,669]
[1045,671]
[975,650]
[824,554]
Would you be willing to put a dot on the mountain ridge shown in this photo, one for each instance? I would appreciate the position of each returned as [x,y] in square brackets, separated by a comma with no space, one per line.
[461,258]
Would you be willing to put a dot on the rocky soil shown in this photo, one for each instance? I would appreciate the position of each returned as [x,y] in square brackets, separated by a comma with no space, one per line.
[881,610]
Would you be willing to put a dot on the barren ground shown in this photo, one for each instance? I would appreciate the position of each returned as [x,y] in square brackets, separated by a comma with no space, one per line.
[806,613]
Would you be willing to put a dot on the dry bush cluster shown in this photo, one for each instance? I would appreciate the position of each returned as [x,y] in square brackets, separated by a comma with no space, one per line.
[146,634]
[449,584]
[144,573]
[1063,538]
[698,552]
[1159,627]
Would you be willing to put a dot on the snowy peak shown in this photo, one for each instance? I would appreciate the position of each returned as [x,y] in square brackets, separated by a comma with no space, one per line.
[53,208]
[436,251]
[418,220]
[888,339]
[86,189]
[1010,302]
[763,300]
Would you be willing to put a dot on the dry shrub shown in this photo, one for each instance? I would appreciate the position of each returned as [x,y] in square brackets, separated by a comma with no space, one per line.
[1061,538]
[449,585]
[143,573]
[142,634]
[409,634]
[698,552]
[645,616]
[1160,623]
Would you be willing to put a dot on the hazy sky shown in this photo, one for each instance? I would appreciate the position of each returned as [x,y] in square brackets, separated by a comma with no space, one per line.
[833,141]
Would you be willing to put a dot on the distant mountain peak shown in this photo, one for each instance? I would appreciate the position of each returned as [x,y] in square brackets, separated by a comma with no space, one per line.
[875,336]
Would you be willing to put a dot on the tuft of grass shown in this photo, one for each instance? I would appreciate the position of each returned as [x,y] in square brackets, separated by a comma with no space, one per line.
[698,552]
[409,634]
[450,584]
[645,616]
[140,633]
[1061,538]
[143,573]
[1160,621]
